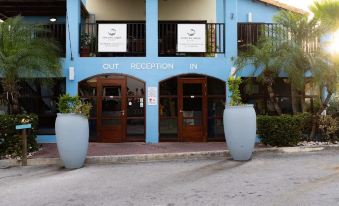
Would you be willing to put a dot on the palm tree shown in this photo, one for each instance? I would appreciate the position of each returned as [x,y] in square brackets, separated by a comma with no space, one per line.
[327,12]
[23,54]
[298,40]
[263,57]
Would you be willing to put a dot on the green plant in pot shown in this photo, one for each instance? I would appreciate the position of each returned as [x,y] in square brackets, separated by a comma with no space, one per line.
[239,123]
[72,130]
[85,44]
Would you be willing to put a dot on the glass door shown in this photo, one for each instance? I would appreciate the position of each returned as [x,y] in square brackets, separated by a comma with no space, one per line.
[112,109]
[192,109]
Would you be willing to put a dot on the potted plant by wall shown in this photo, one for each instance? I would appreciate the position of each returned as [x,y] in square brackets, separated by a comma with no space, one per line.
[85,44]
[72,130]
[239,123]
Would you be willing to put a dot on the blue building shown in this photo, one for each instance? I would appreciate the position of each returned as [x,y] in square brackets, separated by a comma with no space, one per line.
[154,70]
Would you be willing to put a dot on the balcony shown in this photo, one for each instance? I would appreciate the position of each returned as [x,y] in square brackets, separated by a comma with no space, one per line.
[57,32]
[250,33]
[132,42]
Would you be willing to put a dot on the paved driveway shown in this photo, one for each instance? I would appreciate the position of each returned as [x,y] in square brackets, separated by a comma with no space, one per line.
[269,179]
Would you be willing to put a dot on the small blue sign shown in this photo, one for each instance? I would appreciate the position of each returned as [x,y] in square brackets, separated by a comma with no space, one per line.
[23,126]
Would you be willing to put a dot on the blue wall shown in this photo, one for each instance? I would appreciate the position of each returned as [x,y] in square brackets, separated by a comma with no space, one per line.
[228,12]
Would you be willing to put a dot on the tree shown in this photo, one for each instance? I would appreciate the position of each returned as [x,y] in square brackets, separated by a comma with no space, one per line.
[23,54]
[327,13]
[263,57]
[298,40]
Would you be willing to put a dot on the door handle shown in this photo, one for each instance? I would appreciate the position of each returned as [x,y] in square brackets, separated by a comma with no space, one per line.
[180,111]
[123,112]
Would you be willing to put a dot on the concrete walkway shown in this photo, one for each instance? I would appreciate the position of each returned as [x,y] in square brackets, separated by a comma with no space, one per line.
[133,148]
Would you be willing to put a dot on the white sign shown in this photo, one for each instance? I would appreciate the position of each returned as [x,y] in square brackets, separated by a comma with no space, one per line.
[112,38]
[191,38]
[152,95]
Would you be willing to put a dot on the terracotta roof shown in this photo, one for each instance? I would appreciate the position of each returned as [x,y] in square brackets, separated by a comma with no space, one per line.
[284,6]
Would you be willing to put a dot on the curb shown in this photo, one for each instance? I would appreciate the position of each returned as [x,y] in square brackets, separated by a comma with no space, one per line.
[116,159]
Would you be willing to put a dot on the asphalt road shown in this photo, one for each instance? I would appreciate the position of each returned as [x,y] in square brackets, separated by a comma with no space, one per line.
[268,179]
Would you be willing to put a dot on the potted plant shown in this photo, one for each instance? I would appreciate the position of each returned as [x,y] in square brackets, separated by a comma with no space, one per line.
[85,44]
[239,123]
[72,130]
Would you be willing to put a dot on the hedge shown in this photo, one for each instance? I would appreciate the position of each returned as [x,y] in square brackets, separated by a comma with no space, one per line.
[10,141]
[284,130]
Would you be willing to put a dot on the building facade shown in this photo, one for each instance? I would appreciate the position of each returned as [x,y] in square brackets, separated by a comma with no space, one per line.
[154,70]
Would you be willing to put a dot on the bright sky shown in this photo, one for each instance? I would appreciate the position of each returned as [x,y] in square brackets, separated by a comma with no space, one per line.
[303,4]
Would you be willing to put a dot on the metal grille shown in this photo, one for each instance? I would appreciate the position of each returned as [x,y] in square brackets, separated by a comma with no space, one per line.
[136,40]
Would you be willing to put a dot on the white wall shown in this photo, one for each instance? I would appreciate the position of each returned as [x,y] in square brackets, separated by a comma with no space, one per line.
[124,10]
[187,10]
[130,10]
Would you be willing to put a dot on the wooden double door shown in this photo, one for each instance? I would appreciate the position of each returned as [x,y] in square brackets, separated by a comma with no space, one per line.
[112,109]
[192,109]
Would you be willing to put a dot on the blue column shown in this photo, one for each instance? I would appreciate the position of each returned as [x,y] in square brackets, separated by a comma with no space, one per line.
[152,28]
[152,116]
[72,41]
[231,23]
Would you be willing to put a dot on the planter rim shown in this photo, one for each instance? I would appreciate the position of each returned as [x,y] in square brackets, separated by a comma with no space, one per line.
[71,114]
[239,106]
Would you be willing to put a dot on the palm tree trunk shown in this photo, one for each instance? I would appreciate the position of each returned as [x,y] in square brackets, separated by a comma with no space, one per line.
[294,101]
[11,90]
[316,116]
[272,98]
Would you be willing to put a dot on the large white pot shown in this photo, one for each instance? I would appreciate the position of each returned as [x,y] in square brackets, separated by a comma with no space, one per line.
[240,131]
[72,133]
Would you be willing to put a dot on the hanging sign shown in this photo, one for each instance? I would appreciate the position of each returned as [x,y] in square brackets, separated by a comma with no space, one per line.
[112,38]
[152,96]
[191,38]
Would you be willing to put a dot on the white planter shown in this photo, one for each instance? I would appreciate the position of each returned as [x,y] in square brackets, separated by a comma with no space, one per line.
[240,131]
[72,133]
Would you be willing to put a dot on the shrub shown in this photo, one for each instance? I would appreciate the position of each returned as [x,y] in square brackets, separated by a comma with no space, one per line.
[284,130]
[10,141]
[69,104]
[329,127]
[333,108]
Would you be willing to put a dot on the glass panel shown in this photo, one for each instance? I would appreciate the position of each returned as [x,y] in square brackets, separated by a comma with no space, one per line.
[169,87]
[168,126]
[192,89]
[111,106]
[87,90]
[215,87]
[192,122]
[92,128]
[135,87]
[111,122]
[192,107]
[135,127]
[168,107]
[215,128]
[135,107]
[216,107]
[111,91]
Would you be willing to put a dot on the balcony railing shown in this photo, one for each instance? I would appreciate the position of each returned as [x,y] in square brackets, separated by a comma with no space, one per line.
[168,40]
[250,34]
[136,40]
[56,32]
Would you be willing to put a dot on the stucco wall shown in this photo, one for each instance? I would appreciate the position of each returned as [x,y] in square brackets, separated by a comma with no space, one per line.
[261,12]
[168,9]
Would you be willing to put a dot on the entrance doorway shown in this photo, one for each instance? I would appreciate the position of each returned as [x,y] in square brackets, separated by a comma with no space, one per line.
[191,109]
[112,109]
[118,113]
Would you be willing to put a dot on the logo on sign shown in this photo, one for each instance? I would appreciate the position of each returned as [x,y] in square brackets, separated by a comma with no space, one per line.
[112,32]
[191,32]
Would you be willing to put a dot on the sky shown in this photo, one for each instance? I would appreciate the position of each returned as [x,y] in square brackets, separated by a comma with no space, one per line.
[303,4]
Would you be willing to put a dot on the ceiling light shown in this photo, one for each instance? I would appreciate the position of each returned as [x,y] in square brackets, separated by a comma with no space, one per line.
[52,19]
